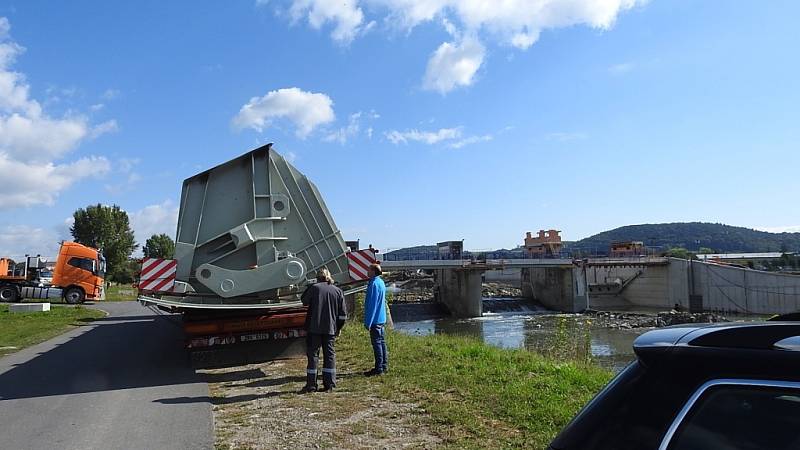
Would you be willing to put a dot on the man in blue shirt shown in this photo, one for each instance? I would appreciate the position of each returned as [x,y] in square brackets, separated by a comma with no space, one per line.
[375,319]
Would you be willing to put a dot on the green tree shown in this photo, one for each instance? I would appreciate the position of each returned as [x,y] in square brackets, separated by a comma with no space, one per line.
[679,252]
[159,246]
[705,251]
[106,228]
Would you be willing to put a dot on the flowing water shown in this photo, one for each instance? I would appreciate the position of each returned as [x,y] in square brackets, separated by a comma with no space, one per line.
[512,323]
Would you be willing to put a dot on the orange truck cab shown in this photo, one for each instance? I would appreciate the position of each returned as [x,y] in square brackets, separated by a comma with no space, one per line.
[80,271]
[78,275]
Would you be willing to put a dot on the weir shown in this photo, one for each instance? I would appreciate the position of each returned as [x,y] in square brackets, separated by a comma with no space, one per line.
[556,283]
[573,286]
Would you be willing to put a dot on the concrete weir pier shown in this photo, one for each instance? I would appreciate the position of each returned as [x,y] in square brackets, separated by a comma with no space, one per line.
[459,290]
[556,283]
[557,288]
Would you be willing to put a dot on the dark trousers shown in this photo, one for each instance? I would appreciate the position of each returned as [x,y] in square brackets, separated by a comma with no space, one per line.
[377,335]
[313,343]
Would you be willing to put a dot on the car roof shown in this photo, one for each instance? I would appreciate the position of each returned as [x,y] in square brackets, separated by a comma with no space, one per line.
[766,335]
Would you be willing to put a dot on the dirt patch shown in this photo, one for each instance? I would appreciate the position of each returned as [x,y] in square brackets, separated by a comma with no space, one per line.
[259,407]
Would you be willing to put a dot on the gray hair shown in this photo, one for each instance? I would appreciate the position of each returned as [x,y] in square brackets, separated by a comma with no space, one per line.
[324,275]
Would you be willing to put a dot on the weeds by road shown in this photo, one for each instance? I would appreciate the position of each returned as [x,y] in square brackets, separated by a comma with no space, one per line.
[441,392]
[120,293]
[19,330]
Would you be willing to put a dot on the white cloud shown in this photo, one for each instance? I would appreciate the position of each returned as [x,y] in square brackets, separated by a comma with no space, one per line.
[621,68]
[155,219]
[343,134]
[345,15]
[353,128]
[127,164]
[305,110]
[561,136]
[453,65]
[110,94]
[471,140]
[452,137]
[18,240]
[109,126]
[5,27]
[33,143]
[517,23]
[38,138]
[97,107]
[40,183]
[524,40]
[126,178]
[427,137]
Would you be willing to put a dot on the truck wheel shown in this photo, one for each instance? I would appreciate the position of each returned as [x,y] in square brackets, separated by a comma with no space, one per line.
[8,294]
[74,295]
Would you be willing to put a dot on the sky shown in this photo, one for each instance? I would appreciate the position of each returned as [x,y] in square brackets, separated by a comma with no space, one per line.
[418,120]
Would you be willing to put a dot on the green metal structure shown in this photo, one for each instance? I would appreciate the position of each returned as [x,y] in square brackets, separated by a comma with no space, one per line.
[252,230]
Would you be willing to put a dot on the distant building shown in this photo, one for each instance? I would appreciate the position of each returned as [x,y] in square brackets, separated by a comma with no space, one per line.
[450,249]
[621,249]
[546,244]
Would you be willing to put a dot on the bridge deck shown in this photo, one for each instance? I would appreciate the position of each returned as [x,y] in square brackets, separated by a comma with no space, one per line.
[498,264]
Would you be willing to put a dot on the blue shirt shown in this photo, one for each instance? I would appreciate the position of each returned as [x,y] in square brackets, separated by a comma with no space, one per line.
[375,303]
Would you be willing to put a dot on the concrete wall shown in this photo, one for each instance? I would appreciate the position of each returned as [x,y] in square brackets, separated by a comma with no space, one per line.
[650,289]
[510,276]
[720,288]
[603,275]
[559,289]
[733,289]
[460,291]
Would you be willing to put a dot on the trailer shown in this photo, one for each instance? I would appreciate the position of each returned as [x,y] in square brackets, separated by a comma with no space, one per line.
[78,275]
[252,233]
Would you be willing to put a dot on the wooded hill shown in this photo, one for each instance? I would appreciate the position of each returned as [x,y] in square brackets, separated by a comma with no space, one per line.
[692,236]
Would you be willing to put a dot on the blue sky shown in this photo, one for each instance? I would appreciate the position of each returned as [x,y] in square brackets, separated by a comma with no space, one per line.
[419,121]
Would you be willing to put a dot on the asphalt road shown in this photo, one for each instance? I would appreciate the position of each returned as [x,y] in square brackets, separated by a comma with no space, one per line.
[123,382]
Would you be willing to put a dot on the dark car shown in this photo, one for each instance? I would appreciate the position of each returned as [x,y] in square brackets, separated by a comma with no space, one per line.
[692,387]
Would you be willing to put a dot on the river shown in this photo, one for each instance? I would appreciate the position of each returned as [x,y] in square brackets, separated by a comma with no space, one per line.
[508,323]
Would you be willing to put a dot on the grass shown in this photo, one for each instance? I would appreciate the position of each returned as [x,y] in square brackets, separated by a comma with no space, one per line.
[19,330]
[477,396]
[120,293]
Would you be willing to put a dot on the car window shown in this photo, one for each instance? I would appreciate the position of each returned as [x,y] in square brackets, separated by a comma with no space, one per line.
[741,417]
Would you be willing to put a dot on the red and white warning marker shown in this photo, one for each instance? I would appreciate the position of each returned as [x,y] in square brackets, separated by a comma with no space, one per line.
[158,275]
[358,264]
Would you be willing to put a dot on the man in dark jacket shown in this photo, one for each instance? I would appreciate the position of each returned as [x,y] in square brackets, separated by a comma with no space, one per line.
[325,318]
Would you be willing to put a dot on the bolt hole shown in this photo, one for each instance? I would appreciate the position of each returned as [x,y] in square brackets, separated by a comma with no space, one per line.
[278,205]
[205,273]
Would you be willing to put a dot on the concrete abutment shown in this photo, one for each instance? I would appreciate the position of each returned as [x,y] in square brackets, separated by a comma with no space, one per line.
[460,291]
[557,288]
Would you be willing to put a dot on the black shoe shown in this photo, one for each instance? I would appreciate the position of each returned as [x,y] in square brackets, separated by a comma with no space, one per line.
[307,389]
[328,388]
[372,373]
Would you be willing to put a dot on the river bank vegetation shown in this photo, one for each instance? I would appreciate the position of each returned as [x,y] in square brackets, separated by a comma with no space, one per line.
[477,396]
